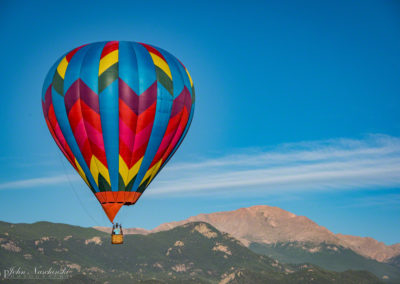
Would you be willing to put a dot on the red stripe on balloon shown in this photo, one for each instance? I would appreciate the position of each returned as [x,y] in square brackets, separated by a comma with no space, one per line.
[109,47]
[180,103]
[153,50]
[178,134]
[72,53]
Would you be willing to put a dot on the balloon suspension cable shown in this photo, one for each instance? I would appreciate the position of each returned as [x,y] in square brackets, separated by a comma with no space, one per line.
[122,215]
[73,189]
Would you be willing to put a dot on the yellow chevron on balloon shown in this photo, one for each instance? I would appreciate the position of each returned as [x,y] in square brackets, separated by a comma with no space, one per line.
[81,172]
[158,61]
[134,170]
[151,172]
[62,67]
[107,61]
[126,173]
[190,78]
[97,167]
[123,170]
[155,171]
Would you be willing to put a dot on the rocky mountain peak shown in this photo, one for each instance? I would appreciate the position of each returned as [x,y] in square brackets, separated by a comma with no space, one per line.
[268,225]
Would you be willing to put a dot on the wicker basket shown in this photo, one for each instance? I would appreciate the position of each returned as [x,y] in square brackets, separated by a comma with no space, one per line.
[117,239]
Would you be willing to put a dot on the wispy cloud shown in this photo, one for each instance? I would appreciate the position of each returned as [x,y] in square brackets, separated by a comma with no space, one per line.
[373,162]
[346,164]
[35,182]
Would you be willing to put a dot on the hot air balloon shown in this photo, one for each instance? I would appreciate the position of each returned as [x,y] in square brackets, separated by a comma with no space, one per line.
[118,111]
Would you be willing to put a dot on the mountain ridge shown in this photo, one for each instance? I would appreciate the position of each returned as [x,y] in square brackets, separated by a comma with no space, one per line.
[268,225]
[195,252]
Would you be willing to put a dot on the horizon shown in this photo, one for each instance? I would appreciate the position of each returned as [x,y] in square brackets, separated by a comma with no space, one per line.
[296,108]
[149,230]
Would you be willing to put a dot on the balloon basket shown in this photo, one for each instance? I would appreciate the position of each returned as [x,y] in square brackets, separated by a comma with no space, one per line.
[117,239]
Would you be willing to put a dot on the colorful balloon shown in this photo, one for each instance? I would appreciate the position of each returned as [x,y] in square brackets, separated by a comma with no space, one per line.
[118,111]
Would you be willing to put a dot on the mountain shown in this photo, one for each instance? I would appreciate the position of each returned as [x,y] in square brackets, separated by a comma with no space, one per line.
[297,239]
[195,252]
[269,225]
[328,256]
[395,261]
[370,247]
[262,224]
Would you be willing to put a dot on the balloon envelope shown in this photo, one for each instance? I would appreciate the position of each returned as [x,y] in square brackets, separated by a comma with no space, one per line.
[118,111]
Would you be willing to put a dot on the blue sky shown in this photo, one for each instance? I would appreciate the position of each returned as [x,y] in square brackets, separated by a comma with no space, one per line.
[296,107]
